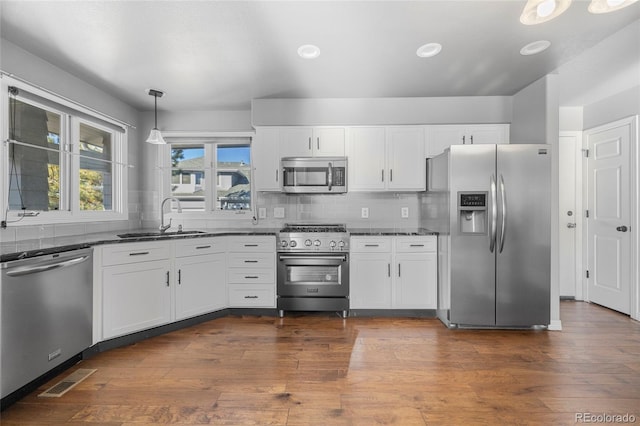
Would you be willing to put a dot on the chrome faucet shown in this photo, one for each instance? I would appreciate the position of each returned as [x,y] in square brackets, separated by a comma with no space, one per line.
[162,226]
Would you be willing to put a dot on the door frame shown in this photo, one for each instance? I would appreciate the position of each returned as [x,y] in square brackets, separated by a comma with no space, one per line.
[634,200]
[580,290]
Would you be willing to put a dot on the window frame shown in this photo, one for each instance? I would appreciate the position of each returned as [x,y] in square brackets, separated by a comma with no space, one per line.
[71,115]
[210,140]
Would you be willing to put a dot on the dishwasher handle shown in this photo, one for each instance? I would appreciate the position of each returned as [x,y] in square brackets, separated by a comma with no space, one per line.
[26,270]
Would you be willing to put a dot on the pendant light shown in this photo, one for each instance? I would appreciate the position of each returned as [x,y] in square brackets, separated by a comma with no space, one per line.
[606,6]
[155,137]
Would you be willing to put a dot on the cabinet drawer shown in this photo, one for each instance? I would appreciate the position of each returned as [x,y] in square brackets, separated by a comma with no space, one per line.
[256,243]
[252,260]
[370,244]
[242,296]
[416,244]
[247,276]
[198,246]
[135,252]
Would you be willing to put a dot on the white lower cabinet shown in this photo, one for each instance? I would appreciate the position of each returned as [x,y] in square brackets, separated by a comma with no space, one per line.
[251,275]
[136,292]
[393,272]
[200,276]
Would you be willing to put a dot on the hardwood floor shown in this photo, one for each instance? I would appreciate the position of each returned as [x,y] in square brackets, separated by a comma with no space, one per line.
[320,369]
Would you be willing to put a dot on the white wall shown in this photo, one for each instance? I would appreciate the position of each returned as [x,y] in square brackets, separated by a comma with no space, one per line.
[382,111]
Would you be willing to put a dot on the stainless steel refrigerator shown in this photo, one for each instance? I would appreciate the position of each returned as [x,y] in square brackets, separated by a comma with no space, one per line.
[491,206]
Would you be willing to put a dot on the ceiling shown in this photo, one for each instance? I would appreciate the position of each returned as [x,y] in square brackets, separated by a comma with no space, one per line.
[215,55]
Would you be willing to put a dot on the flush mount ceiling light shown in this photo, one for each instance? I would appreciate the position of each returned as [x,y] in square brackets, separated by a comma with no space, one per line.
[308,51]
[539,11]
[155,137]
[535,47]
[428,50]
[606,6]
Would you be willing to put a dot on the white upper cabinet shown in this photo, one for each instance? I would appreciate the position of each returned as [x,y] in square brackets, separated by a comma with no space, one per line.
[265,157]
[440,137]
[386,158]
[312,141]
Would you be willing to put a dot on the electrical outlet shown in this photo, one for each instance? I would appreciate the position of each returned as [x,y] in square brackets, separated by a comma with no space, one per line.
[364,213]
[278,212]
[262,213]
[404,212]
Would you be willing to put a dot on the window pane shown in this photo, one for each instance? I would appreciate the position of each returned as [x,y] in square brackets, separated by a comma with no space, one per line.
[233,186]
[96,169]
[187,176]
[34,171]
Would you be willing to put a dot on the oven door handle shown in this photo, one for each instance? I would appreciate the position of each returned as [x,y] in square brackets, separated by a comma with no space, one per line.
[342,258]
[330,176]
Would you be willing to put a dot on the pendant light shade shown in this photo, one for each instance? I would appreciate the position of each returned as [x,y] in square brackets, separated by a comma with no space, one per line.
[155,137]
[606,6]
[539,11]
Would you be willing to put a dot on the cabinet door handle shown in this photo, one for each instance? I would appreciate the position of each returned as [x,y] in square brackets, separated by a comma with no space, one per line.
[179,276]
[382,175]
[463,140]
[277,175]
[318,142]
[167,278]
[471,139]
[389,269]
[138,253]
[390,175]
[202,247]
[309,143]
[398,270]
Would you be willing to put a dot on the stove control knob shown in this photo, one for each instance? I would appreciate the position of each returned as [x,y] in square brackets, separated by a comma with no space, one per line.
[283,243]
[341,244]
[316,243]
[293,244]
[332,244]
[307,243]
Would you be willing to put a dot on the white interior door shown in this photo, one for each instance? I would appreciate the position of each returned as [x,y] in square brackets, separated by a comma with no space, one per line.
[609,242]
[567,150]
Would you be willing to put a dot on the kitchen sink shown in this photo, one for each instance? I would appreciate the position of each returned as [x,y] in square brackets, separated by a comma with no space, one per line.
[159,234]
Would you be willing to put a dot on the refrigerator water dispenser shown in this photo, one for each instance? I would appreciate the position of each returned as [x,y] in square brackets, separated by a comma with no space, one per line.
[472,211]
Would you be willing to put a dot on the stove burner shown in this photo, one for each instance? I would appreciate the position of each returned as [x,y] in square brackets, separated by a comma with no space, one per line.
[289,227]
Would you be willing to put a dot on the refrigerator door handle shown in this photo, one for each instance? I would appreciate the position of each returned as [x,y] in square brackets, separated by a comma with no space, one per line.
[503,203]
[493,222]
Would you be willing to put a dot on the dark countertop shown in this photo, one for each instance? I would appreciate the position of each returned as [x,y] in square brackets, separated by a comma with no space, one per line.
[391,231]
[23,249]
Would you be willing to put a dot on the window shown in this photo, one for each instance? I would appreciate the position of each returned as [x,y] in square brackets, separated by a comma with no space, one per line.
[192,165]
[61,164]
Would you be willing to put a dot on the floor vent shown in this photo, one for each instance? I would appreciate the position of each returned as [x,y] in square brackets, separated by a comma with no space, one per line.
[65,385]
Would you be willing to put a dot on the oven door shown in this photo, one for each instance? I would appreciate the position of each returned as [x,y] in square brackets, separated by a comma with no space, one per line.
[313,275]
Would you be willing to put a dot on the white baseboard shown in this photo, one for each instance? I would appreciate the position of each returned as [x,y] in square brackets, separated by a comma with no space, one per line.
[555,325]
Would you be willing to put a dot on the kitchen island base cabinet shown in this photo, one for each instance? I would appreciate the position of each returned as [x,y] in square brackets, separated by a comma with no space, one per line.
[136,296]
[393,272]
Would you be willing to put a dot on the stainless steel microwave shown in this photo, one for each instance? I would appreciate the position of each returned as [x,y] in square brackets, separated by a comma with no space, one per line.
[317,175]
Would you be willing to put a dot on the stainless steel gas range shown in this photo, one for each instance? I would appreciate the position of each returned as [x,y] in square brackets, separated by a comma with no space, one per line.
[313,268]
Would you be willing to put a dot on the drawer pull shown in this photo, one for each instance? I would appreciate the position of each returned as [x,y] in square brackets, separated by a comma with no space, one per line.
[203,247]
[251,245]
[251,297]
[250,261]
[138,253]
[372,245]
[416,245]
[253,277]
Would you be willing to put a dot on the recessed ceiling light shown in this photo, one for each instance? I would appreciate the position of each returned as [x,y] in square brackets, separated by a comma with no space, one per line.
[428,50]
[308,51]
[539,11]
[606,6]
[535,47]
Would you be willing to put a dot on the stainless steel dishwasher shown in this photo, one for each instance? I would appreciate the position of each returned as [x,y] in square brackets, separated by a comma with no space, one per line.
[46,314]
